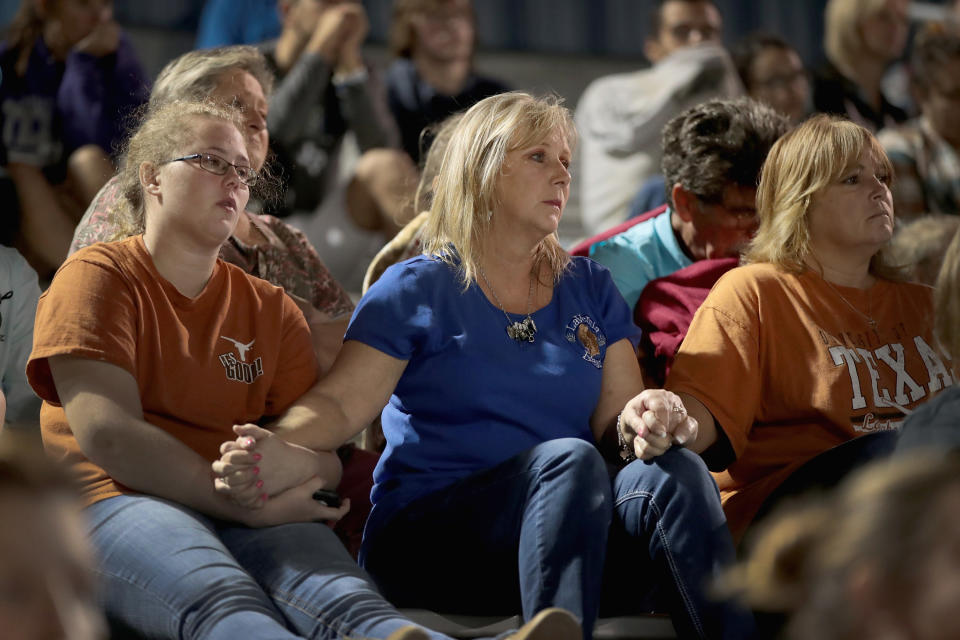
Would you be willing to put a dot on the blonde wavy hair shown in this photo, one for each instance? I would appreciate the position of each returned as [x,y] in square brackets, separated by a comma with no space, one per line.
[164,134]
[464,190]
[800,165]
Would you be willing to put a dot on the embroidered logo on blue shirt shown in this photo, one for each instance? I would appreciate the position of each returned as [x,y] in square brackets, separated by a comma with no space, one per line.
[584,331]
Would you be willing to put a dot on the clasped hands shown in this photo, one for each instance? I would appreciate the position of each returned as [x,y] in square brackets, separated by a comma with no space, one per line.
[655,420]
[261,472]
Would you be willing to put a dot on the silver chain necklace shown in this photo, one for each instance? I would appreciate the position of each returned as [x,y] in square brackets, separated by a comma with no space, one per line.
[524,330]
[868,315]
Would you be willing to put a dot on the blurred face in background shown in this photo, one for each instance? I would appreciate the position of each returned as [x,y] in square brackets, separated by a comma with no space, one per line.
[683,24]
[777,78]
[67,22]
[884,32]
[941,102]
[444,30]
[242,90]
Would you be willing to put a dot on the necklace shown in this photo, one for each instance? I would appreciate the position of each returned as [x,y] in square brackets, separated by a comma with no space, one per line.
[868,315]
[523,330]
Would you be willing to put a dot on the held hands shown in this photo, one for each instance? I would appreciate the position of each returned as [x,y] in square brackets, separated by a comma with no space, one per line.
[258,465]
[655,420]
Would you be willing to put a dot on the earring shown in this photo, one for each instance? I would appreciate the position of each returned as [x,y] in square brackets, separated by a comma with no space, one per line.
[489,214]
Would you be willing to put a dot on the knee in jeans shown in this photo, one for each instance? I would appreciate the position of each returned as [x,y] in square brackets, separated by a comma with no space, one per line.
[677,472]
[582,463]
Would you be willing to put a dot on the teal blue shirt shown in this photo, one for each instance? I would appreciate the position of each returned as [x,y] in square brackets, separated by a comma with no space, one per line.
[642,253]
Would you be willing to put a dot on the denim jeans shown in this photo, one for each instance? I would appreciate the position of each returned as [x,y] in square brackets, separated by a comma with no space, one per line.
[168,571]
[532,532]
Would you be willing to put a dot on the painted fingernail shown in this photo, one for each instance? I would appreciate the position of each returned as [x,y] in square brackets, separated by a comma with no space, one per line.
[256,470]
[256,457]
[259,484]
[263,497]
[250,442]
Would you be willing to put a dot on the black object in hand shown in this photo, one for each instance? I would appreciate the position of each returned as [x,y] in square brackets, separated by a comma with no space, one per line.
[330,498]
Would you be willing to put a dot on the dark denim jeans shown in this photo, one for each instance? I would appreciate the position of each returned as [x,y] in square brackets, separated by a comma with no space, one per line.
[168,571]
[532,532]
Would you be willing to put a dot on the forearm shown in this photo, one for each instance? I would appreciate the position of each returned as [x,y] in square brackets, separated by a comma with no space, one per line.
[295,97]
[316,421]
[707,425]
[45,225]
[142,457]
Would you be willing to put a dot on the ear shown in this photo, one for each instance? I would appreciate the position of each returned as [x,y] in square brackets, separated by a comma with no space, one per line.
[149,175]
[653,50]
[684,202]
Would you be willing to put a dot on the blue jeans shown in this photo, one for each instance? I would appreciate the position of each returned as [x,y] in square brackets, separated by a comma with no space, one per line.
[532,532]
[168,571]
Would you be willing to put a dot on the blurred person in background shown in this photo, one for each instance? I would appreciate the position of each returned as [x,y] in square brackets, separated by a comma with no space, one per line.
[47,583]
[620,117]
[925,151]
[920,246]
[862,38]
[324,90]
[70,80]
[877,558]
[433,76]
[773,73]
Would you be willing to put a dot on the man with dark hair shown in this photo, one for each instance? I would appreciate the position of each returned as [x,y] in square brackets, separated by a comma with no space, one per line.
[925,151]
[712,154]
[620,116]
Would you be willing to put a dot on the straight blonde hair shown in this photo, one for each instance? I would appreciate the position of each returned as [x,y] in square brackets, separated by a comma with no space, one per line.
[464,192]
[800,165]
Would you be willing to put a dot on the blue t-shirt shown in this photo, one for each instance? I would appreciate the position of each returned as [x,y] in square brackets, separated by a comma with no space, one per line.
[642,253]
[470,396]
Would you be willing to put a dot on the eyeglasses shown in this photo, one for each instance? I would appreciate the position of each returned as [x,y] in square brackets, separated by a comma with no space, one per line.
[218,166]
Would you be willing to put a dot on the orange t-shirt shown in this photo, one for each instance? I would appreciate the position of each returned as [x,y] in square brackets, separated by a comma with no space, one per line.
[237,352]
[788,369]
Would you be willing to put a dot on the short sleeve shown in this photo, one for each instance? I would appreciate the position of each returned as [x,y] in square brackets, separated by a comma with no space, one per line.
[718,362]
[617,317]
[89,312]
[397,313]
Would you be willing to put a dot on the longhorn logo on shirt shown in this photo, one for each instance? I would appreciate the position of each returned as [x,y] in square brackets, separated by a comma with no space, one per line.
[241,370]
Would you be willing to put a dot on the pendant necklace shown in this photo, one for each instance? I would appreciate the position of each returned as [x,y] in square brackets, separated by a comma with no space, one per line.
[868,315]
[523,330]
